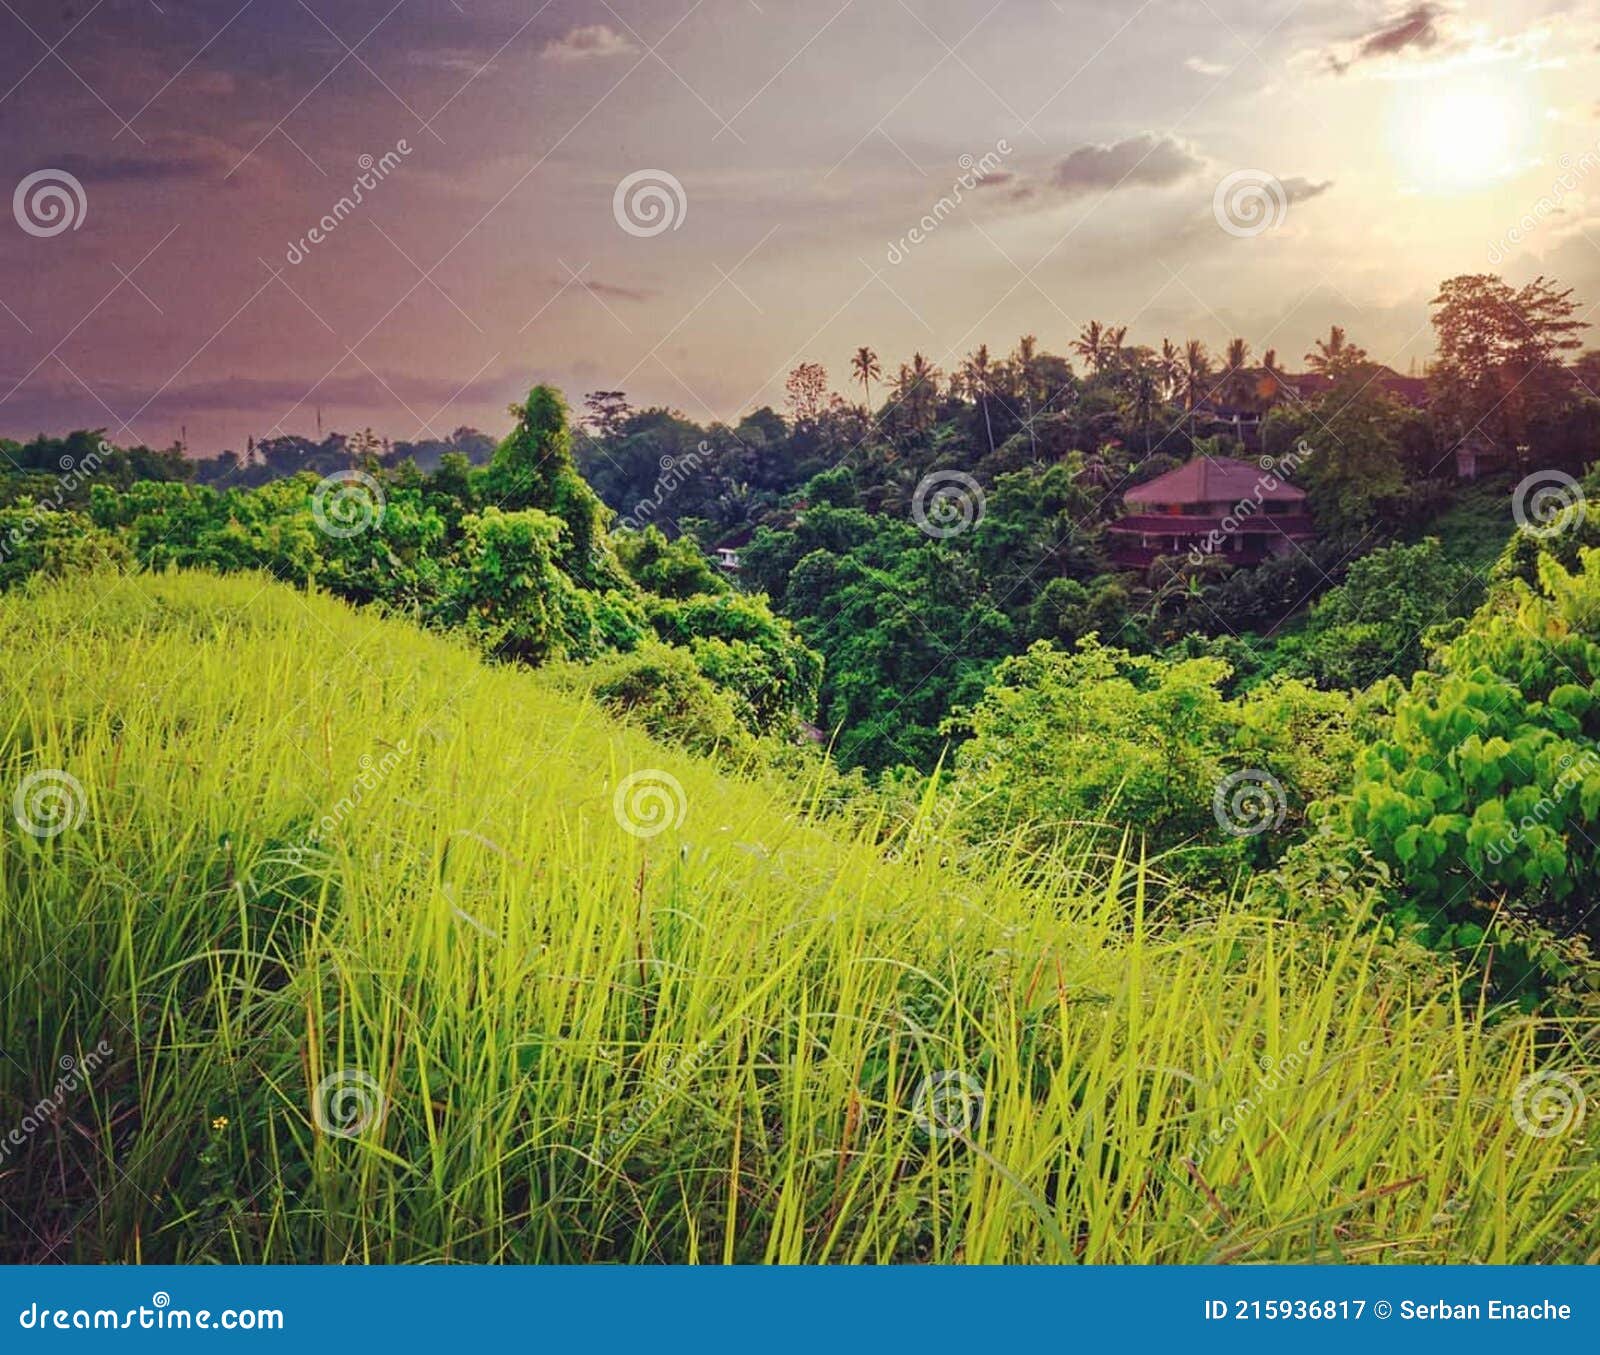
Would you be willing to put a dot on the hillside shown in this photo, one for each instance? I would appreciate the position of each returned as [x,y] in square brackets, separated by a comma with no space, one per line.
[334,943]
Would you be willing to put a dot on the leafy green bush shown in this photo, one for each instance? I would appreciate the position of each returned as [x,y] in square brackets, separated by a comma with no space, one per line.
[509,593]
[35,540]
[1376,623]
[660,689]
[1486,793]
[1101,735]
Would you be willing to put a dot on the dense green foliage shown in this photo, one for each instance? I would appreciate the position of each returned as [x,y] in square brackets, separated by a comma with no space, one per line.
[1485,792]
[1101,735]
[380,973]
[517,555]
[686,991]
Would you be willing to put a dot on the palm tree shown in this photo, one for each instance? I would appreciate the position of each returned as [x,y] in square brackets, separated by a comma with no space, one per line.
[865,366]
[917,391]
[1095,345]
[1097,469]
[1114,339]
[978,372]
[1171,366]
[1140,399]
[1023,361]
[1196,372]
[1335,355]
[1237,382]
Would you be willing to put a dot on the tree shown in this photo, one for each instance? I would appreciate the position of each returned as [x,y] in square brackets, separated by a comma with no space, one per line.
[1335,357]
[533,468]
[1484,797]
[1195,374]
[1238,381]
[606,413]
[1374,624]
[1586,370]
[1501,355]
[1170,366]
[1141,398]
[1100,346]
[979,374]
[1101,737]
[865,366]
[806,391]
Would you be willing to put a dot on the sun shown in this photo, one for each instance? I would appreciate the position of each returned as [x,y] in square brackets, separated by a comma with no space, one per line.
[1459,138]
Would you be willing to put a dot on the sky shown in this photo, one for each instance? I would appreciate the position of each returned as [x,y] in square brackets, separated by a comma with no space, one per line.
[682,199]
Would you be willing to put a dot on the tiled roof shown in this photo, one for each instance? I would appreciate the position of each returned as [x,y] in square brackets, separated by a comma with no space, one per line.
[1212,479]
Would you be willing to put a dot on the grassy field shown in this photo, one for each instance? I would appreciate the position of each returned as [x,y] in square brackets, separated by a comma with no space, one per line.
[331,943]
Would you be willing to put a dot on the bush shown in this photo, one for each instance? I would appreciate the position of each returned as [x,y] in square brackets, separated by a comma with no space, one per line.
[38,541]
[660,689]
[1486,792]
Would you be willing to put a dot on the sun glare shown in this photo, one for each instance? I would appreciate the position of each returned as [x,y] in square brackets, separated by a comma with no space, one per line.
[1461,138]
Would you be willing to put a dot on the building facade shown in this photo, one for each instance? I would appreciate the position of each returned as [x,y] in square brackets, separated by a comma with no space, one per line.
[1211,506]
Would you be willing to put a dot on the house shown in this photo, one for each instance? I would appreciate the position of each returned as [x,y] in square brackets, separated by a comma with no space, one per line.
[1211,506]
[1408,390]
[726,551]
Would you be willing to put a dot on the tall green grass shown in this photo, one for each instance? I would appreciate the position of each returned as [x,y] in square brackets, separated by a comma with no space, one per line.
[560,1041]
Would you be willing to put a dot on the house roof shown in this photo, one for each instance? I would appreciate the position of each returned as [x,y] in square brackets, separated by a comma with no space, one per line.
[1413,390]
[1211,479]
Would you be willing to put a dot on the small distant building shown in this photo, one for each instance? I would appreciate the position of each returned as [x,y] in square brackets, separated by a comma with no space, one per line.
[726,551]
[1215,505]
[1478,455]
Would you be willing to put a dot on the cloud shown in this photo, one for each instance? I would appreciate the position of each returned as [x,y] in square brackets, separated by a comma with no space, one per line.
[1417,29]
[1303,190]
[588,42]
[465,60]
[615,290]
[1201,66]
[1140,161]
[177,156]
